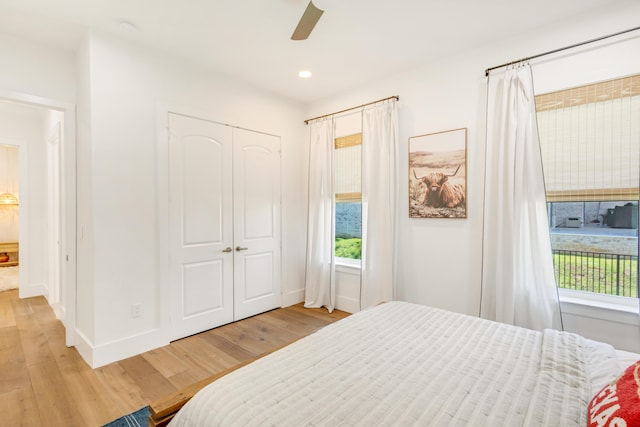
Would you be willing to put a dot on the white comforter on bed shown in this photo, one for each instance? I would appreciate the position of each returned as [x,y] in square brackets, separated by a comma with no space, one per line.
[405,364]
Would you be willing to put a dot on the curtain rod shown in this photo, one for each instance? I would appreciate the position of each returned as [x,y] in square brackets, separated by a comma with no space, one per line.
[486,72]
[396,97]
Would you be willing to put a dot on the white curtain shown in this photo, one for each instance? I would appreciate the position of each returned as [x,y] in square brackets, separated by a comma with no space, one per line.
[518,283]
[320,270]
[379,203]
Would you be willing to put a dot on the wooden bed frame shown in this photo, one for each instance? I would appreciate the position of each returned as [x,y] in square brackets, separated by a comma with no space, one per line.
[162,411]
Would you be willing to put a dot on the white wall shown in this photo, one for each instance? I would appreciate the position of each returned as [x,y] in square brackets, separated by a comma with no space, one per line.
[85,292]
[440,259]
[122,90]
[35,69]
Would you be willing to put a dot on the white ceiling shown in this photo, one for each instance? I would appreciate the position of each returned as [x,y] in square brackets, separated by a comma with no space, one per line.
[354,41]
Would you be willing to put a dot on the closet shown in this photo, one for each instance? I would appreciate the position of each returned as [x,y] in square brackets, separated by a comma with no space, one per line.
[224,224]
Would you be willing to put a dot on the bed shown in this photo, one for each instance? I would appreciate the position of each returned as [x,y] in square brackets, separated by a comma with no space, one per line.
[407,364]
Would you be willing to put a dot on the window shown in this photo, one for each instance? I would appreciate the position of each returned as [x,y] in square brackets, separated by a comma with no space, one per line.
[348,197]
[590,142]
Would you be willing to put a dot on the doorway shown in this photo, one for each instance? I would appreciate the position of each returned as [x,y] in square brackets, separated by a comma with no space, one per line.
[43,132]
[9,218]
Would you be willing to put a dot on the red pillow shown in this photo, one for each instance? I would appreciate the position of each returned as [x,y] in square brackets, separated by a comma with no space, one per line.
[618,404]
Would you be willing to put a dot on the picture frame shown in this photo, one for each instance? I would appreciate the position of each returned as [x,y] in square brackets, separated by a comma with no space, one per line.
[438,175]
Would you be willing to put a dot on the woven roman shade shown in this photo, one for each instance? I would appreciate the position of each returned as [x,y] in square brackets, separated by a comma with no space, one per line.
[348,168]
[590,141]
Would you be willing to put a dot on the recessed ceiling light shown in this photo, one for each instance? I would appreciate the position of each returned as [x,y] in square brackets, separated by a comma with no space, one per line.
[127,27]
[305,74]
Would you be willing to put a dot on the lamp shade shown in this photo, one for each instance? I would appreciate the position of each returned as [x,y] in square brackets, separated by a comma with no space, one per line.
[8,199]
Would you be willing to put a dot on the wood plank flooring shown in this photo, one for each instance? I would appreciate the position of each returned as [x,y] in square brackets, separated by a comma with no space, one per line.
[42,382]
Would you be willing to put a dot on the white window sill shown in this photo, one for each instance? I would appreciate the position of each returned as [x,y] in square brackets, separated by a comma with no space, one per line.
[606,307]
[347,265]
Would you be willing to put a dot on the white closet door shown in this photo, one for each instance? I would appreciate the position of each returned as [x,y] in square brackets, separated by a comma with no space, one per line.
[256,182]
[201,225]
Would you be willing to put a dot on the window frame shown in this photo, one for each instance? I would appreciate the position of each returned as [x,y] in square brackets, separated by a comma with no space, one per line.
[611,308]
[581,302]
[352,197]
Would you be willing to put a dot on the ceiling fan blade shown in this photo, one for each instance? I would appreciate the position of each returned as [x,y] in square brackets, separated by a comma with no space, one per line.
[308,21]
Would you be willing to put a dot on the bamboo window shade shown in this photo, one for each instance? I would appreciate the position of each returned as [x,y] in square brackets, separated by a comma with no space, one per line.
[590,141]
[348,168]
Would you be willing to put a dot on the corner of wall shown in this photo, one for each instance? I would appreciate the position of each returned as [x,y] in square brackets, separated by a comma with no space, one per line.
[84,347]
[34,290]
[103,354]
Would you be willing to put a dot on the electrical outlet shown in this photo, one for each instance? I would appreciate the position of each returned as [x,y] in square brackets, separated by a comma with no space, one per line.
[136,309]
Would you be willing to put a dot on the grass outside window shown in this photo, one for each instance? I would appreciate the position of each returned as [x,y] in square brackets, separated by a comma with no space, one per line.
[348,248]
[606,274]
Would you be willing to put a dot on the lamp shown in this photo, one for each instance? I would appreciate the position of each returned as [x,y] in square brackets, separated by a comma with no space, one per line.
[7,198]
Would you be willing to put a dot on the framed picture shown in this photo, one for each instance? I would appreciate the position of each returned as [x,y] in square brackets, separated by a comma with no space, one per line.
[438,175]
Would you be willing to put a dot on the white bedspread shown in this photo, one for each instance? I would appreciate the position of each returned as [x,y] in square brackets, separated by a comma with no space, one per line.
[405,364]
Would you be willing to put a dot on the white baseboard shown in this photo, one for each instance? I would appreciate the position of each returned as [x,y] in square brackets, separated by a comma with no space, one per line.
[293,297]
[84,347]
[350,305]
[60,312]
[103,354]
[33,290]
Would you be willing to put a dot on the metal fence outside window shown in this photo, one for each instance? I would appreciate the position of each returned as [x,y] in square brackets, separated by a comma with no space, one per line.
[611,274]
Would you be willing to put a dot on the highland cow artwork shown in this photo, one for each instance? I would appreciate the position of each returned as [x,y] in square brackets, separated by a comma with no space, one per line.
[438,175]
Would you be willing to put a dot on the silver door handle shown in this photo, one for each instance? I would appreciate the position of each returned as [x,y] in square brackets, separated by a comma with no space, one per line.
[238,248]
[228,249]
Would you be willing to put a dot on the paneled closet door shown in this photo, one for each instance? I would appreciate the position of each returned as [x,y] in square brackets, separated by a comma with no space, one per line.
[201,225]
[256,189]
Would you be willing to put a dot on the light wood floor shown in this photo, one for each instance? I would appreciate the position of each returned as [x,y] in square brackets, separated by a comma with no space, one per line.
[42,382]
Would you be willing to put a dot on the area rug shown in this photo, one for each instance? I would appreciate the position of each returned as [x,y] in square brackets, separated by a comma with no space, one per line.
[9,278]
[138,418]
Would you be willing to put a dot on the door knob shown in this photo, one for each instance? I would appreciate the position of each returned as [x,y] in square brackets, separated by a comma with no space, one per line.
[238,248]
[228,249]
